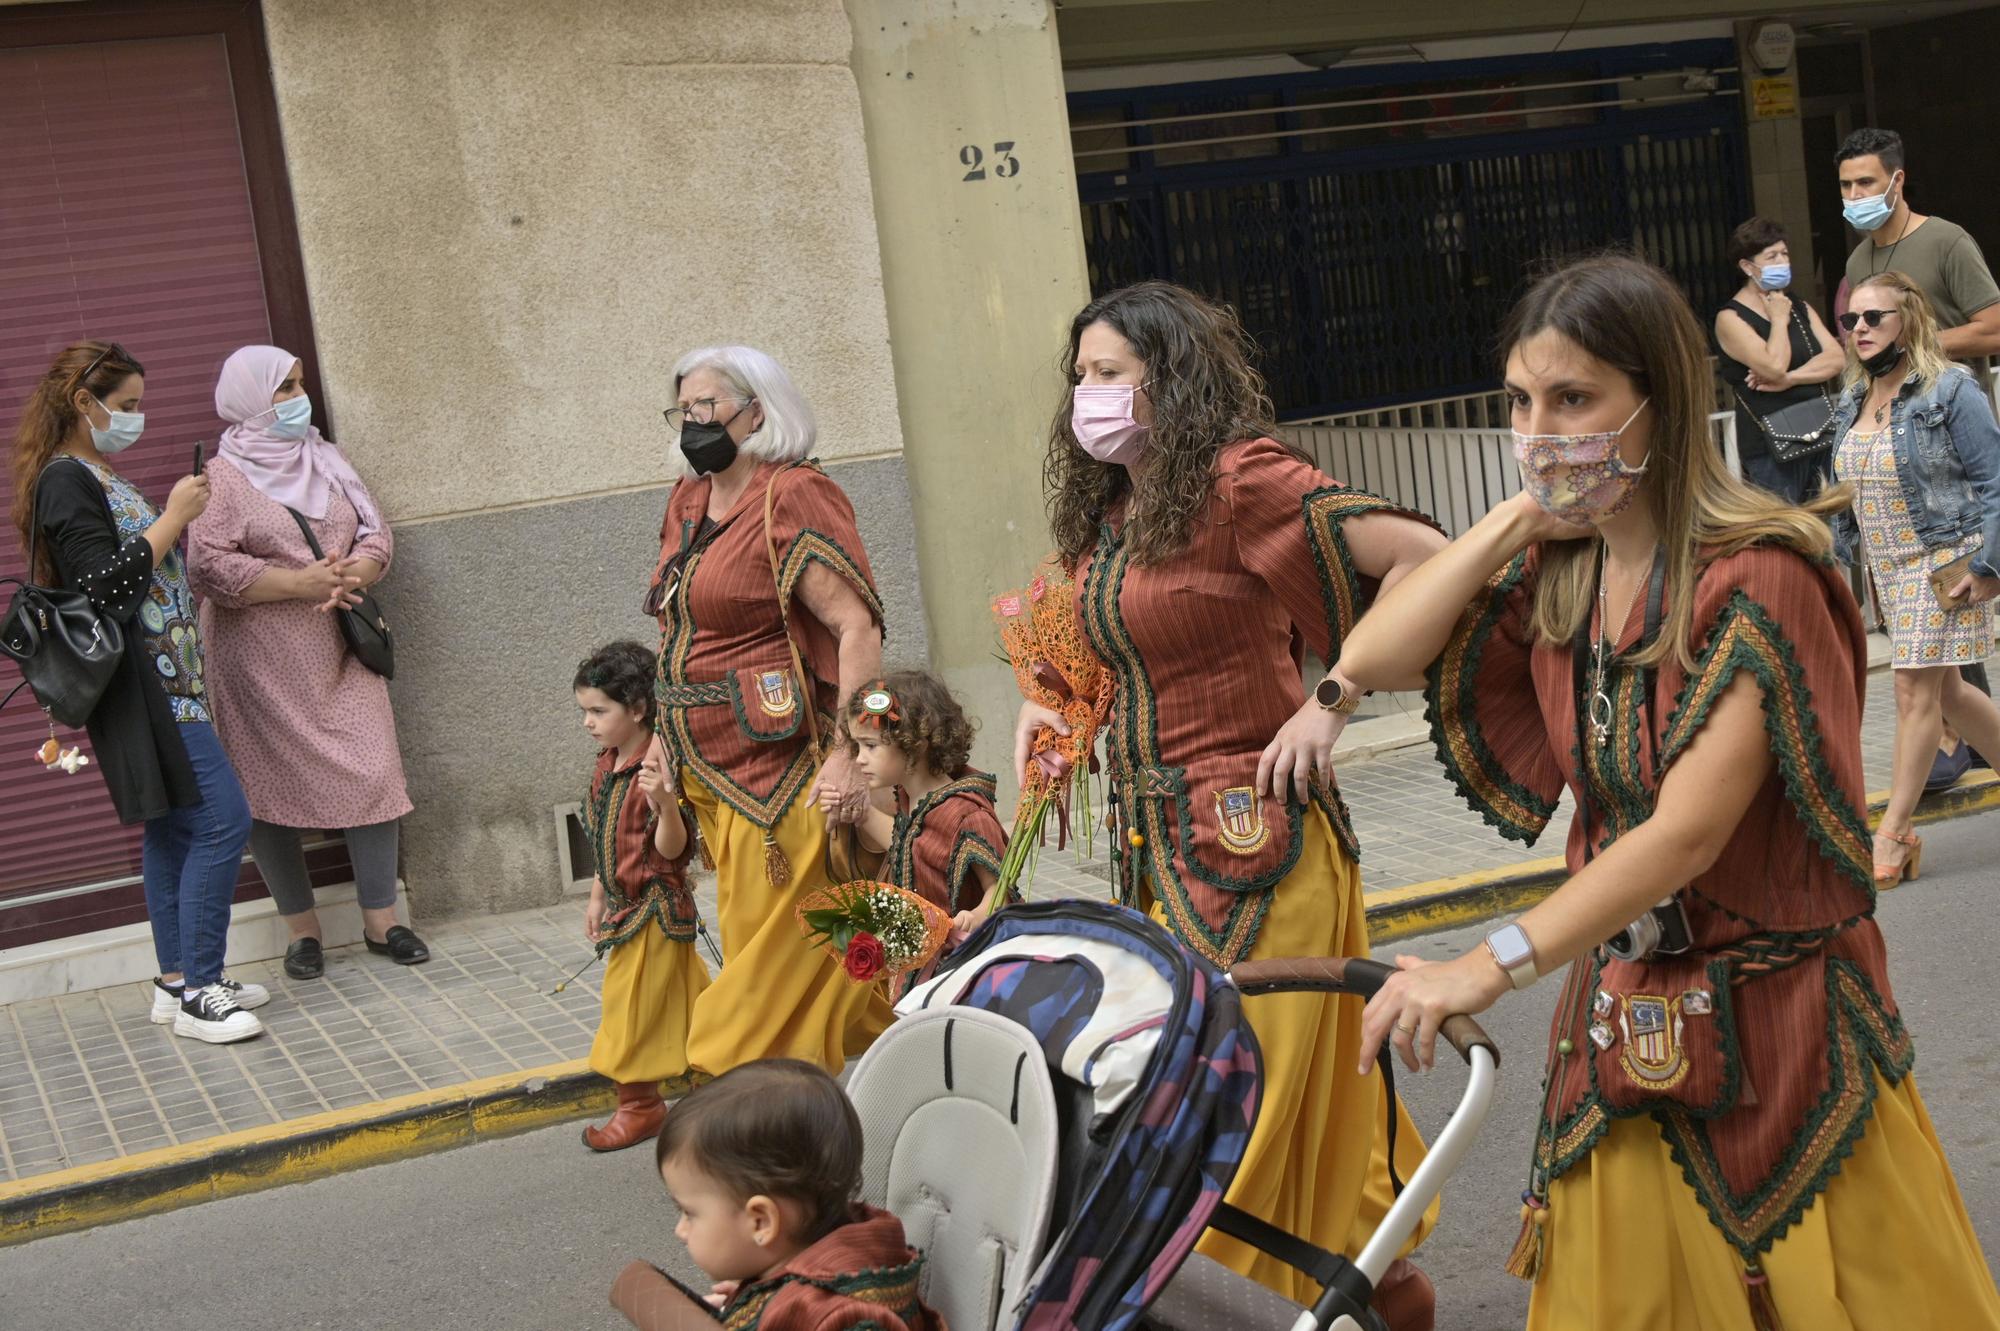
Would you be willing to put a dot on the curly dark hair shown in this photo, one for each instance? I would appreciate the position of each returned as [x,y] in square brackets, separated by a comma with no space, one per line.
[1205,394]
[624,671]
[777,1128]
[930,727]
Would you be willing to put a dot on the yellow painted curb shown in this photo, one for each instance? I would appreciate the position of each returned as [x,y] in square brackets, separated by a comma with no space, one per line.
[1471,898]
[298,1149]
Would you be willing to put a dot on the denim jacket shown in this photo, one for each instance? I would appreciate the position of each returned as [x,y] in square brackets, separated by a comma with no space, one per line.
[1947,460]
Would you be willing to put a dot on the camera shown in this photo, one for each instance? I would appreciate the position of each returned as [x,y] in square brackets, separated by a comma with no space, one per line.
[1662,931]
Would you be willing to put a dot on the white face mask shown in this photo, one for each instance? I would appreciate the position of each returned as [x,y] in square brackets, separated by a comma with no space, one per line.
[120,434]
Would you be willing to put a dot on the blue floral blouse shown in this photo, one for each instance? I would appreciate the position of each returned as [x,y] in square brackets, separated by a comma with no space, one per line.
[167,616]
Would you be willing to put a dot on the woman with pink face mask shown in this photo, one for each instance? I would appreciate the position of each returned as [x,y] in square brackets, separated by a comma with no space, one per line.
[1729,1135]
[1208,554]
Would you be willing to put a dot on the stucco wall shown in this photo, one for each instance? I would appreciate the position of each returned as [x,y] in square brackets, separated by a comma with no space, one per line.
[514,214]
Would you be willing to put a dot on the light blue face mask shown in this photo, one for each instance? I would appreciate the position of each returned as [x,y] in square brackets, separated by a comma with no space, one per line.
[1775,277]
[1870,212]
[122,432]
[294,417]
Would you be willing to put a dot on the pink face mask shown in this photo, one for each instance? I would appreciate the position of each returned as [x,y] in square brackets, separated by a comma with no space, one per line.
[1579,477]
[1101,417]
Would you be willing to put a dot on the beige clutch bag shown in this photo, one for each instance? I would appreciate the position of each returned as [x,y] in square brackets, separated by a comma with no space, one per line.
[1948,577]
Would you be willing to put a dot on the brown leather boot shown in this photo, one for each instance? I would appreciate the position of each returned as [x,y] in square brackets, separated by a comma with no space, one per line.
[640,1116]
[1404,1297]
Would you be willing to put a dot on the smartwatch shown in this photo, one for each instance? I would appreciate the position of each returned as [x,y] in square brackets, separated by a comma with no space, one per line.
[1515,954]
[1330,695]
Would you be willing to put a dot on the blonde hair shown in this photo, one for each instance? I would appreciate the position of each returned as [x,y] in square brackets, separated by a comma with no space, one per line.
[1928,361]
[1631,316]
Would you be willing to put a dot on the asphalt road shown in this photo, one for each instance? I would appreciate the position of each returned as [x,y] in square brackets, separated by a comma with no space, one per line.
[526,1234]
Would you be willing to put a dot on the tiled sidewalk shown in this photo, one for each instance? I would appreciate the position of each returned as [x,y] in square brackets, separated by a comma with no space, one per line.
[86,1078]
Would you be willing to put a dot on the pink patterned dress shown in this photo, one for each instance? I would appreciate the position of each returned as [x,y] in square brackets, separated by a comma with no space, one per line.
[307,727]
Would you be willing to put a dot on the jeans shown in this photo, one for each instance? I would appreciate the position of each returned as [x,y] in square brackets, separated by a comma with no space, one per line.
[1794,482]
[192,858]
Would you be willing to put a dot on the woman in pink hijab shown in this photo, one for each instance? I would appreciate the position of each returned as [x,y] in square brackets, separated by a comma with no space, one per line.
[308,727]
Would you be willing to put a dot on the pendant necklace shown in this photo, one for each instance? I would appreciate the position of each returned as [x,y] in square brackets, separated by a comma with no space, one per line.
[1600,701]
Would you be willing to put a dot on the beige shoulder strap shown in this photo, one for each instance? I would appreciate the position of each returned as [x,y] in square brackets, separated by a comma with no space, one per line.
[808,697]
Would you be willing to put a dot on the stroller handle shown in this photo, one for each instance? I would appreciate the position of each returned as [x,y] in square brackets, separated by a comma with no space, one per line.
[1348,975]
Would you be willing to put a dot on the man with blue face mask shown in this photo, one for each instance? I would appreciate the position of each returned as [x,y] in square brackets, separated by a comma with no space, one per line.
[1937,255]
[1945,261]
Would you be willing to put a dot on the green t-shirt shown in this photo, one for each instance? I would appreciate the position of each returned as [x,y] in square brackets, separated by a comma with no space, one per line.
[1939,257]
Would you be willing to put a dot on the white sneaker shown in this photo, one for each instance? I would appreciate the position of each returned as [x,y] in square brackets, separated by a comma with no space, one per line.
[212,1015]
[167,998]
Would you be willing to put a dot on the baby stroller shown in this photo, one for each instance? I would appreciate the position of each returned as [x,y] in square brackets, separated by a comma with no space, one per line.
[1058,1112]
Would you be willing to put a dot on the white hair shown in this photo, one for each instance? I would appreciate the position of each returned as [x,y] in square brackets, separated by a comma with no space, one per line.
[788,431]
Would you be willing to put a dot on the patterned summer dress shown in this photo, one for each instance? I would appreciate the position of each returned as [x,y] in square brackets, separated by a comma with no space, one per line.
[1920,632]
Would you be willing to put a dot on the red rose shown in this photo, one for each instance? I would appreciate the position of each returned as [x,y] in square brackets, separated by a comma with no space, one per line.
[865,957]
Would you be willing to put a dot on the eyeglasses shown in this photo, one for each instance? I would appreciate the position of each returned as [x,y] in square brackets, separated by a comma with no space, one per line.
[1873,318]
[701,411]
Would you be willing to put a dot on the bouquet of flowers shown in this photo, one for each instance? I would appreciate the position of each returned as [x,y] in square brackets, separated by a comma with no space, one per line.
[875,930]
[1056,668]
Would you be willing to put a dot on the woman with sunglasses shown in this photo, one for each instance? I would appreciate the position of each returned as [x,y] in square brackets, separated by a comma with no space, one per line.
[1729,1134]
[91,530]
[1208,557]
[769,620]
[1919,444]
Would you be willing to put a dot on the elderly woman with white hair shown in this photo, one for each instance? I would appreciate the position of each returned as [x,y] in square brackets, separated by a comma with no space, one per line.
[769,620]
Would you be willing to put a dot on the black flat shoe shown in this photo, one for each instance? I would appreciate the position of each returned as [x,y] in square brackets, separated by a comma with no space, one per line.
[304,959]
[401,945]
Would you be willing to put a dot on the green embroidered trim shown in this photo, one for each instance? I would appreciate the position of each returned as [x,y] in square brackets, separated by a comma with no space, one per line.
[811,546]
[901,866]
[973,851]
[1134,745]
[1746,637]
[1325,511]
[671,907]
[1614,769]
[892,1287]
[1184,807]
[1449,706]
[676,645]
[1861,1037]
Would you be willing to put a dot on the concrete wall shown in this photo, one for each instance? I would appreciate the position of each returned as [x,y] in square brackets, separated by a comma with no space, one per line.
[514,215]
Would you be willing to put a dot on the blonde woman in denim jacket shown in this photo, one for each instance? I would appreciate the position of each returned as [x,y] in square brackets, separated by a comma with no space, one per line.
[1919,444]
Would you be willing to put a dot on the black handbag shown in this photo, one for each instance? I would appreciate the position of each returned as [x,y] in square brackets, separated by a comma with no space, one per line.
[1800,429]
[66,648]
[365,626]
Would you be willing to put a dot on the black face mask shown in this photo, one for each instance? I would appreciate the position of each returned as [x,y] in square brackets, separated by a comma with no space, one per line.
[1882,362]
[707,448]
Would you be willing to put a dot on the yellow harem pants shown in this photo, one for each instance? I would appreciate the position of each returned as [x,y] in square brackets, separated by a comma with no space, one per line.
[1318,1161]
[651,984]
[1887,1245]
[778,996]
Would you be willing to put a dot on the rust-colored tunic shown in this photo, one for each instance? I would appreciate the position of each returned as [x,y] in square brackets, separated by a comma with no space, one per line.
[729,706]
[943,838]
[862,1276]
[1757,1052]
[641,886]
[1207,651]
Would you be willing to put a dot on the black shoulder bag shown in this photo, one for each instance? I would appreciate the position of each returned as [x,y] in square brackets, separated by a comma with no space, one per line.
[364,626]
[1799,429]
[66,648]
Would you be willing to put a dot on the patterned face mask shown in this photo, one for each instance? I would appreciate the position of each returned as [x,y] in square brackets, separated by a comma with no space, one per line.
[1579,477]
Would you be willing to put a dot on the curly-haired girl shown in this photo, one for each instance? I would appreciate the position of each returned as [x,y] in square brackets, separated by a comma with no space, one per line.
[641,911]
[943,840]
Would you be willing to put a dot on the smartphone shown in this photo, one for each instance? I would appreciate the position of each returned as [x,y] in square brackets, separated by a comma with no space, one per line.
[200,454]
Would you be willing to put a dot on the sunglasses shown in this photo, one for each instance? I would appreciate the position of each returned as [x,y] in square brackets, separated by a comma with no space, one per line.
[1873,318]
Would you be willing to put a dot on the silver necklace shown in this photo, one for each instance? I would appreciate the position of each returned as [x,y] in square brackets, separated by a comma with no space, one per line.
[1600,701]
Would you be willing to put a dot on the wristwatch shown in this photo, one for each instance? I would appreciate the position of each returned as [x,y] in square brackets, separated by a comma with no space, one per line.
[1330,695]
[1515,954]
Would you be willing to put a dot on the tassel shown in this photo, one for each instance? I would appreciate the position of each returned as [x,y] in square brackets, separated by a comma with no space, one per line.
[1526,1259]
[1763,1309]
[777,869]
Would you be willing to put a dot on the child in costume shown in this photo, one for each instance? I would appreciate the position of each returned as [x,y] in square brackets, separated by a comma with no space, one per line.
[931,816]
[641,914]
[764,1164]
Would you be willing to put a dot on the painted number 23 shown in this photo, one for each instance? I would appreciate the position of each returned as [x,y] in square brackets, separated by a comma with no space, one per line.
[1005,164]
